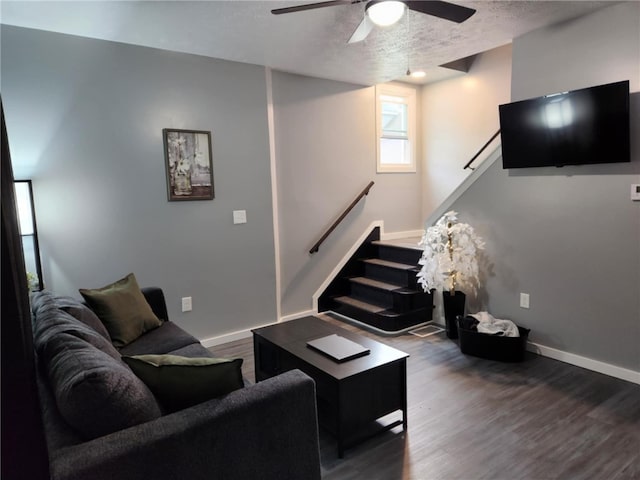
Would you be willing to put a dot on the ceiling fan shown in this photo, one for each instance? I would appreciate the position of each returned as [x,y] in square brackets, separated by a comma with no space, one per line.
[387,12]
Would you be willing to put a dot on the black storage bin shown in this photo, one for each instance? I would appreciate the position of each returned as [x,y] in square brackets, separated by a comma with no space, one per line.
[492,347]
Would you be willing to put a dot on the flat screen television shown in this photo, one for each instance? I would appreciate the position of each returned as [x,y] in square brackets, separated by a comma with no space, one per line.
[585,126]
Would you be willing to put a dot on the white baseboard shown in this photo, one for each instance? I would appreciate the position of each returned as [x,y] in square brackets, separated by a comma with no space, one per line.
[295,316]
[241,334]
[227,337]
[584,362]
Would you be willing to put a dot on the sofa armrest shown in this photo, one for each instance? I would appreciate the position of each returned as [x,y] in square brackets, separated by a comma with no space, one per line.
[264,431]
[155,299]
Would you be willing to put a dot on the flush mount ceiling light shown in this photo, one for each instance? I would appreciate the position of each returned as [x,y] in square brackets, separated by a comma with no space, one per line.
[385,12]
[416,74]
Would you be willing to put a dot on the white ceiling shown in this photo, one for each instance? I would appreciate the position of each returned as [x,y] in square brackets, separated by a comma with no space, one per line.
[312,42]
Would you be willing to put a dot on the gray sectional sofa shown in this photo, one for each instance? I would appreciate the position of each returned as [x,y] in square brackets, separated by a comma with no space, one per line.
[101,422]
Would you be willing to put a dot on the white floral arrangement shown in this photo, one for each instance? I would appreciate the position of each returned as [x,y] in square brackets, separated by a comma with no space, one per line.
[449,259]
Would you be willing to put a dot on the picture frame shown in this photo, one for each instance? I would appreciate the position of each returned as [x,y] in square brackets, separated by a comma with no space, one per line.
[189,164]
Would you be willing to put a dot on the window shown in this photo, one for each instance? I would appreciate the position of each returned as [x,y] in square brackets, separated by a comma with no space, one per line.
[29,233]
[396,128]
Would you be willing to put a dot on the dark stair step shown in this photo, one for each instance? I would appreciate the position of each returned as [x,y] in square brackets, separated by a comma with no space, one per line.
[389,264]
[376,284]
[361,304]
[411,244]
[391,272]
[398,252]
[376,316]
[374,291]
[390,295]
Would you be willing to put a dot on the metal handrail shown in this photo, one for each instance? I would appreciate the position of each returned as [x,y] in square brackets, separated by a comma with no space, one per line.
[480,151]
[364,192]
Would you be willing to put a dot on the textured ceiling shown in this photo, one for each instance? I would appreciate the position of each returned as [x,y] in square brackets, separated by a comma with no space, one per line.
[312,42]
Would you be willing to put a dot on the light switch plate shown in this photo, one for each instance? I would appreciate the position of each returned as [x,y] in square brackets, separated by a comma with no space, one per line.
[239,216]
[635,191]
[186,304]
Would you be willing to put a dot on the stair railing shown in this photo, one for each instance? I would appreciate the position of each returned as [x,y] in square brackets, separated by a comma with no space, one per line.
[364,192]
[468,165]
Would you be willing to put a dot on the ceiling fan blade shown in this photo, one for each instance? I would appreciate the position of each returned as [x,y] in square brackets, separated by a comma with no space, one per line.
[362,30]
[310,6]
[446,10]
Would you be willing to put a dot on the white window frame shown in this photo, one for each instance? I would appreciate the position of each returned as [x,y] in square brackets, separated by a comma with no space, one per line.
[409,99]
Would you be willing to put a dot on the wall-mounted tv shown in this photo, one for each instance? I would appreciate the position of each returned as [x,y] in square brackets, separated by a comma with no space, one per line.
[585,126]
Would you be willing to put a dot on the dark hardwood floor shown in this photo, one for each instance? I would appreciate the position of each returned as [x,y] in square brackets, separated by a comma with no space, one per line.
[475,419]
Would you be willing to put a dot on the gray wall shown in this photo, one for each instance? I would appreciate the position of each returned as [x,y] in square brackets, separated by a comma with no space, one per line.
[325,146]
[459,116]
[569,237]
[85,120]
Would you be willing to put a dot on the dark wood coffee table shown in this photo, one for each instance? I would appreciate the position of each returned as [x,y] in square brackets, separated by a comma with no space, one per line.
[351,395]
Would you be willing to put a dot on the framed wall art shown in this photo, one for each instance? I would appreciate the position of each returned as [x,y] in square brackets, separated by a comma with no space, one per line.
[189,164]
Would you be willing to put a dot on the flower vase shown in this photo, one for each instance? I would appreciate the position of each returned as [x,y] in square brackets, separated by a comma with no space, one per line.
[182,184]
[453,306]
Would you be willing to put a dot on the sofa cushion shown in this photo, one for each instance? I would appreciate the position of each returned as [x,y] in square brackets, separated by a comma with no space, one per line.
[84,314]
[57,431]
[164,339]
[95,393]
[79,331]
[123,309]
[180,382]
[49,321]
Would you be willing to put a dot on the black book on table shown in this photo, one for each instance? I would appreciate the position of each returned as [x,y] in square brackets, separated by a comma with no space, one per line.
[338,348]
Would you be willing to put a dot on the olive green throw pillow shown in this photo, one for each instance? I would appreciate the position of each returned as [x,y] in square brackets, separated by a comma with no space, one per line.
[122,308]
[180,382]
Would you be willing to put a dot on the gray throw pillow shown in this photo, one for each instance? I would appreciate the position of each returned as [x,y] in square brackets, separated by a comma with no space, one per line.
[180,382]
[95,393]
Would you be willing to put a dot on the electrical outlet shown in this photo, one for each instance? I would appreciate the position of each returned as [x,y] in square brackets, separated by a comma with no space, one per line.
[524,300]
[186,304]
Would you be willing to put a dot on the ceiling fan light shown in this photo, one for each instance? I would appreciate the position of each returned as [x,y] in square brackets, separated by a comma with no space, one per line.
[417,74]
[386,12]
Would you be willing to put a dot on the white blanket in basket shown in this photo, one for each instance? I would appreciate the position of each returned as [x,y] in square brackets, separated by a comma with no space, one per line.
[495,326]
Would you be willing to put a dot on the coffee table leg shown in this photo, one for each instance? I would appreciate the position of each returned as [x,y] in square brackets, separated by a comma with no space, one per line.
[340,421]
[404,394]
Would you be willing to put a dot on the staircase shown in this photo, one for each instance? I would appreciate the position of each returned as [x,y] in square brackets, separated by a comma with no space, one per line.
[378,287]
